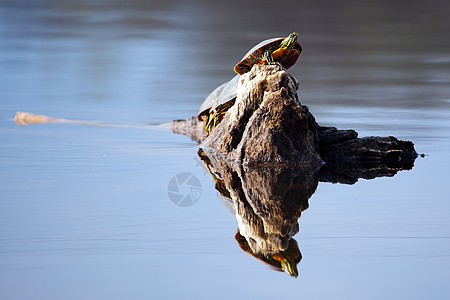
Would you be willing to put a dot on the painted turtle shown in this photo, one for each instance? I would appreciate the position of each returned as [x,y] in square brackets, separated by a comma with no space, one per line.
[282,50]
[217,104]
[277,50]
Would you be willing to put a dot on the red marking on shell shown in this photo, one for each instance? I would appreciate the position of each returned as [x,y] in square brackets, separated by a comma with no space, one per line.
[286,57]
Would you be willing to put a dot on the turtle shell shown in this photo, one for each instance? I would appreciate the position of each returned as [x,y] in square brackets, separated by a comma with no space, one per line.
[287,57]
[209,101]
[222,94]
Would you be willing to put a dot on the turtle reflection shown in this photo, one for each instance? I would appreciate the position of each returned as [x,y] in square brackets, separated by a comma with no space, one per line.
[286,260]
[267,203]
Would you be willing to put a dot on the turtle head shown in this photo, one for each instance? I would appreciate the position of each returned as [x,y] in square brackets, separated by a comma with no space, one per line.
[289,267]
[289,42]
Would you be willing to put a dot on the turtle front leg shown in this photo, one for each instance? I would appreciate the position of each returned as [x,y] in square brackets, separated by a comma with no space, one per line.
[269,58]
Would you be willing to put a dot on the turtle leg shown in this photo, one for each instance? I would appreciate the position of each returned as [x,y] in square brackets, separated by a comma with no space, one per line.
[209,125]
[269,58]
[213,120]
[216,117]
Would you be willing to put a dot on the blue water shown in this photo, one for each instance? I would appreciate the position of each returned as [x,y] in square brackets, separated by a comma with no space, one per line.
[85,211]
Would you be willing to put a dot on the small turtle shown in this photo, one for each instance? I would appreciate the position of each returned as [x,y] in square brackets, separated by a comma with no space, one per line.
[217,104]
[276,50]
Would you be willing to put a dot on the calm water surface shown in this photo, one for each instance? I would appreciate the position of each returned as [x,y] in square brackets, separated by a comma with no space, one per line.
[85,212]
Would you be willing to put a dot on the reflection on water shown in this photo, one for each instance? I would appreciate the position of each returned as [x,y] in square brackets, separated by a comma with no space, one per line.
[267,202]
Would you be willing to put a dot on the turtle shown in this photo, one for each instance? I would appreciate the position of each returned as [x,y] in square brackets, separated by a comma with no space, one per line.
[284,51]
[276,50]
[217,104]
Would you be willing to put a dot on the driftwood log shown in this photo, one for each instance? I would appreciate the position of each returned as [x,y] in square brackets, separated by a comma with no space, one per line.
[268,126]
[268,155]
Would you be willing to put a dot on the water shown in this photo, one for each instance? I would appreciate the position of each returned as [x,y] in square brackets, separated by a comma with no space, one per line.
[85,213]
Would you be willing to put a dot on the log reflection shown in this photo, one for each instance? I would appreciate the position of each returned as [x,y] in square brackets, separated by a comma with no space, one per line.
[268,202]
